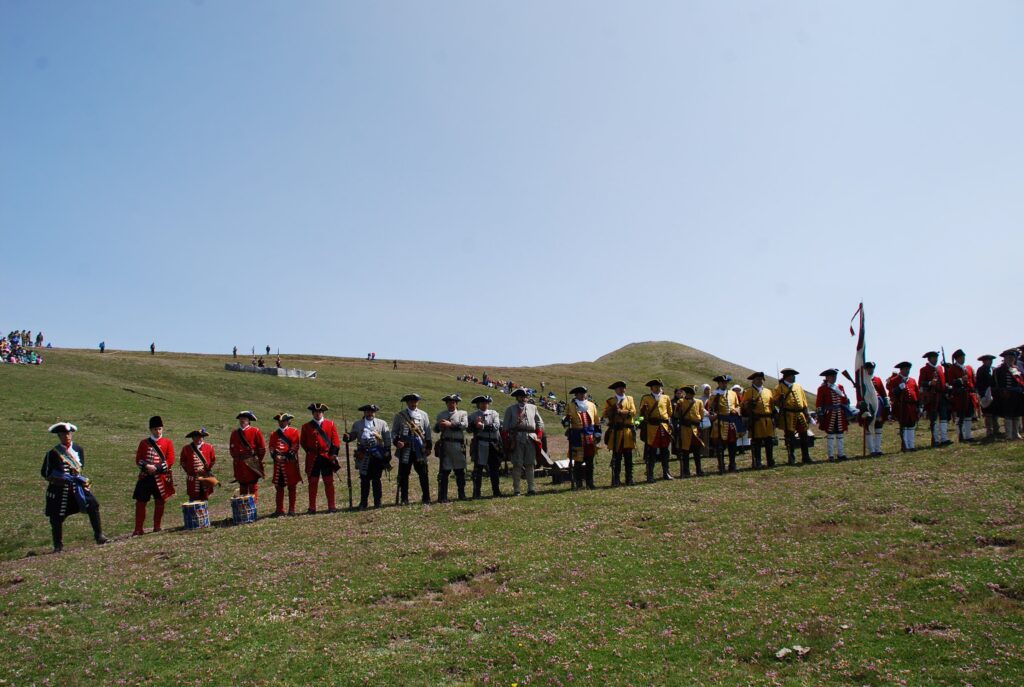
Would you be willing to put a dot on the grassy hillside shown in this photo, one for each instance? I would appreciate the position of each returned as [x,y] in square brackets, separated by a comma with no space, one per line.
[900,570]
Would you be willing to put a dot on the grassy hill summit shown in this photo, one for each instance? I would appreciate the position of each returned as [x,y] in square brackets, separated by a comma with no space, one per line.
[906,569]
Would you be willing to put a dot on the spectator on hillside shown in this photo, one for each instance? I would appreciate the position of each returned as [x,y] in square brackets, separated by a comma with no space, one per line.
[103,346]
[39,340]
[234,352]
[268,349]
[152,348]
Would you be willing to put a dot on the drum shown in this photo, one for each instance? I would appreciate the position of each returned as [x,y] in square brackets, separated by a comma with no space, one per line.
[243,509]
[197,515]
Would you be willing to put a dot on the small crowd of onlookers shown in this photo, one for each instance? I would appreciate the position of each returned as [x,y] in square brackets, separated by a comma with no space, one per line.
[505,386]
[19,348]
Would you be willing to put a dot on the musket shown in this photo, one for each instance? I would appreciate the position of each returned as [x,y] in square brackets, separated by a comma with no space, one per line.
[348,460]
[572,470]
[864,428]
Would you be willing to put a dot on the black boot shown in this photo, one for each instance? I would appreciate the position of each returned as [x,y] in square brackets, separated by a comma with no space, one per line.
[685,460]
[664,465]
[649,464]
[696,462]
[495,481]
[589,469]
[732,457]
[97,528]
[378,491]
[805,450]
[460,483]
[628,459]
[478,479]
[755,450]
[425,485]
[720,456]
[616,469]
[577,476]
[442,486]
[57,530]
[769,449]
[364,493]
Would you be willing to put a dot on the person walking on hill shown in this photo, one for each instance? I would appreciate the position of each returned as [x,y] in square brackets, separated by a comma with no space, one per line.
[154,457]
[152,348]
[284,451]
[248,449]
[373,453]
[411,435]
[234,352]
[832,404]
[688,414]
[903,393]
[620,411]
[795,415]
[758,406]
[197,458]
[451,425]
[521,424]
[485,446]
[68,491]
[320,440]
[656,428]
[583,429]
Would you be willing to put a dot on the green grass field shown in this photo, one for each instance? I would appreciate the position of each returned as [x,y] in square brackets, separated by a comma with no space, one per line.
[906,569]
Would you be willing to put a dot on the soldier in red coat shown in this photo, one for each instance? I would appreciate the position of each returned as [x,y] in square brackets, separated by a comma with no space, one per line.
[904,398]
[284,450]
[154,458]
[931,381]
[319,439]
[963,396]
[832,405]
[873,422]
[197,459]
[248,449]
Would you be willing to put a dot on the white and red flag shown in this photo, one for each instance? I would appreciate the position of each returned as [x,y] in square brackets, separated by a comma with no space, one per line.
[865,388]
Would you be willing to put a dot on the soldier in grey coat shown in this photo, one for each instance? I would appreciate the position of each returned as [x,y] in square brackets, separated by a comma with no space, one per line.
[522,421]
[451,425]
[410,433]
[485,448]
[373,453]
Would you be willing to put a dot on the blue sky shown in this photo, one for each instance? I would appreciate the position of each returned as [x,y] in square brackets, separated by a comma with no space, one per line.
[514,183]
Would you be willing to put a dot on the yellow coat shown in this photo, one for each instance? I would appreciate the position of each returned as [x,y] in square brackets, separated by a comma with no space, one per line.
[758,406]
[656,414]
[689,412]
[621,435]
[722,405]
[792,404]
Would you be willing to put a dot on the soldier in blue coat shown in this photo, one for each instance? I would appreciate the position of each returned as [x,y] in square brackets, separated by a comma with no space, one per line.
[69,490]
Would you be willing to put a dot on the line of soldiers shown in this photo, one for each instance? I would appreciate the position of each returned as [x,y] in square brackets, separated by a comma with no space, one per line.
[665,426]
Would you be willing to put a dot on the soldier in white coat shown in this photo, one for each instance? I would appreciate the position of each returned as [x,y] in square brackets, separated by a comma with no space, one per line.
[485,448]
[451,425]
[373,453]
[522,421]
[413,442]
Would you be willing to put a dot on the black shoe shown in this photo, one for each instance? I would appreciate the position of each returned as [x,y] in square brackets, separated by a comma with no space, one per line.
[362,506]
[947,442]
[311,511]
[276,514]
[842,458]
[667,476]
[58,548]
[531,493]
[101,539]
[630,483]
[332,510]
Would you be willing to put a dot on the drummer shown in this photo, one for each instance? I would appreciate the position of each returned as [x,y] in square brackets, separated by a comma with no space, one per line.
[69,491]
[197,459]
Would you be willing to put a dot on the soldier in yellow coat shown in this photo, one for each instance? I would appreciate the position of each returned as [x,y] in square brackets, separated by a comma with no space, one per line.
[687,416]
[620,411]
[724,408]
[795,415]
[583,428]
[656,411]
[759,409]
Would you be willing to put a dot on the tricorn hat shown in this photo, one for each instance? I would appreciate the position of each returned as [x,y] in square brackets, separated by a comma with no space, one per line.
[959,351]
[654,382]
[578,390]
[283,417]
[788,371]
[246,413]
[156,421]
[830,371]
[616,385]
[929,354]
[412,397]
[903,364]
[452,397]
[722,378]
[63,427]
[1011,351]
[519,392]
[482,399]
[201,432]
[987,356]
[689,389]
[369,407]
[755,375]
[318,407]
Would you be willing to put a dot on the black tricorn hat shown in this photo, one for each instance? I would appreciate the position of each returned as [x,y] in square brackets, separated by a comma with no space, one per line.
[482,399]
[246,413]
[929,354]
[654,382]
[959,351]
[578,390]
[616,385]
[788,371]
[519,392]
[412,397]
[452,397]
[987,356]
[689,389]
[201,432]
[903,364]
[829,371]
[722,378]
[756,374]
[318,407]
[156,421]
[1011,351]
[283,417]
[63,427]
[369,407]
